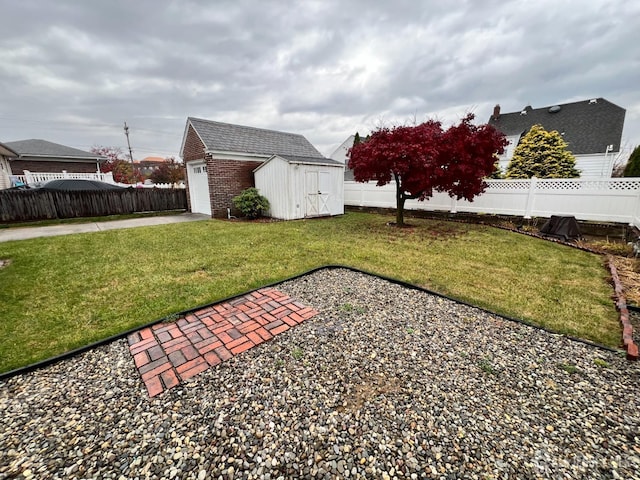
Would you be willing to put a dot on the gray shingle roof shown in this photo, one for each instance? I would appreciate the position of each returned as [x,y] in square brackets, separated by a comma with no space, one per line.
[226,137]
[588,126]
[6,151]
[43,148]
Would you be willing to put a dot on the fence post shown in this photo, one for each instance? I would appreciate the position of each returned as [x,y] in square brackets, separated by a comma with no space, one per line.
[361,193]
[454,205]
[28,177]
[65,174]
[530,197]
[635,216]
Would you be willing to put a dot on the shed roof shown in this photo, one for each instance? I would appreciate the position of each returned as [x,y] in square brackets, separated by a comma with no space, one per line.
[42,148]
[318,160]
[226,137]
[304,160]
[587,126]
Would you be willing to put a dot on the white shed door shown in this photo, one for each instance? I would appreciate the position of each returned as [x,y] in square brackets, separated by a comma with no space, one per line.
[317,191]
[198,188]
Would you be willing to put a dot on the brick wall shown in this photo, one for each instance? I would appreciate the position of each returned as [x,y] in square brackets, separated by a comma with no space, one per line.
[193,147]
[227,178]
[19,166]
[193,150]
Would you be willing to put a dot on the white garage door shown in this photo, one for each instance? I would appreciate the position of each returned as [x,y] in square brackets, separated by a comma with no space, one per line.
[198,188]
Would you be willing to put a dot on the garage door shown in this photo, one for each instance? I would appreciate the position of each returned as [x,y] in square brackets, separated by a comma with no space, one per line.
[198,188]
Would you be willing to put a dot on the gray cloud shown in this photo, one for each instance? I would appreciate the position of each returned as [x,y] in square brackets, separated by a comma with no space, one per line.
[72,71]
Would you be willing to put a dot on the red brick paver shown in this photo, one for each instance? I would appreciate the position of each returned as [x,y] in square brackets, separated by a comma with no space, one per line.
[168,353]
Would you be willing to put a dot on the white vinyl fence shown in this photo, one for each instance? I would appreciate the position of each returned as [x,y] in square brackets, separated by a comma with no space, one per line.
[604,200]
[30,178]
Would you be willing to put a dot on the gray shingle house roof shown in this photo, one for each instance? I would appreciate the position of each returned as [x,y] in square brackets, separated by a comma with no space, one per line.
[45,149]
[6,151]
[225,137]
[587,126]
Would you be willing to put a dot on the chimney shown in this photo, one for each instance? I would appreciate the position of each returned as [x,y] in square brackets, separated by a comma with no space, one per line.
[496,112]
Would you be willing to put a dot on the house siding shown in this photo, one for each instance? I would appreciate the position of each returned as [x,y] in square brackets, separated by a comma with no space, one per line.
[19,166]
[5,171]
[290,194]
[273,180]
[227,178]
[598,165]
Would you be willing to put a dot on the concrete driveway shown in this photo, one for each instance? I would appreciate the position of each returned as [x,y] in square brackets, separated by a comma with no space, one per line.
[24,233]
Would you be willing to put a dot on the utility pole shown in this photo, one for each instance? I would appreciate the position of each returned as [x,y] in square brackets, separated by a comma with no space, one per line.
[126,132]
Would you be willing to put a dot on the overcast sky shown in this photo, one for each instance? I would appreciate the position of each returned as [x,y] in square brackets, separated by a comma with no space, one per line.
[72,71]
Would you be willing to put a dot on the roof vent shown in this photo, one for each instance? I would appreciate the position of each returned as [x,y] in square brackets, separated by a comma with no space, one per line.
[555,109]
[593,101]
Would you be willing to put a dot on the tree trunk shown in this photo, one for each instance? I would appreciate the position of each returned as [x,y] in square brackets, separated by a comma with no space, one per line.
[400,211]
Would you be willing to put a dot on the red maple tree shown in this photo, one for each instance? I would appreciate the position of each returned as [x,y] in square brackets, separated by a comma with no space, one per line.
[122,169]
[424,158]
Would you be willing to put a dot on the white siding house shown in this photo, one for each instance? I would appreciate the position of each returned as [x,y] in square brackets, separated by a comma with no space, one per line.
[5,168]
[340,153]
[592,129]
[301,187]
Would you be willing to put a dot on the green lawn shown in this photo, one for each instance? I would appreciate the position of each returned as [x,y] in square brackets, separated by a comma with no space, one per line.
[59,293]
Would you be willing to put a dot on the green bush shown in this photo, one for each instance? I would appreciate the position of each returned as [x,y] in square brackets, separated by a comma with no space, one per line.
[251,203]
[633,165]
[542,154]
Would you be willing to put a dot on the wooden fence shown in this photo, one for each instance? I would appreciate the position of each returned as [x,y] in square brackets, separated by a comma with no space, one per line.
[27,205]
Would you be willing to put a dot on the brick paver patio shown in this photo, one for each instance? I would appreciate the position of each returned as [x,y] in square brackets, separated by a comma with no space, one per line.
[168,353]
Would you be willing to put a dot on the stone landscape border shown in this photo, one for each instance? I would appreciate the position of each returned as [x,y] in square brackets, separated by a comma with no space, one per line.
[621,304]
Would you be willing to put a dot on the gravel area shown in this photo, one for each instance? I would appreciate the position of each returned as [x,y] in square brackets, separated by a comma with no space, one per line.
[634,320]
[386,382]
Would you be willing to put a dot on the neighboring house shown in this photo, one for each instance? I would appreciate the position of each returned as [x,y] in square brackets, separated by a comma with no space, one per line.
[592,128]
[5,170]
[148,165]
[42,156]
[300,187]
[340,155]
[220,159]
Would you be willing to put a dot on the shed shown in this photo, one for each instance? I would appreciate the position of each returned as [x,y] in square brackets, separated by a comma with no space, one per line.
[301,187]
[220,159]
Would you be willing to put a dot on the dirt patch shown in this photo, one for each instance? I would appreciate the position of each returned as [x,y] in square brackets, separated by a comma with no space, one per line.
[367,390]
[253,220]
[441,231]
[629,273]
